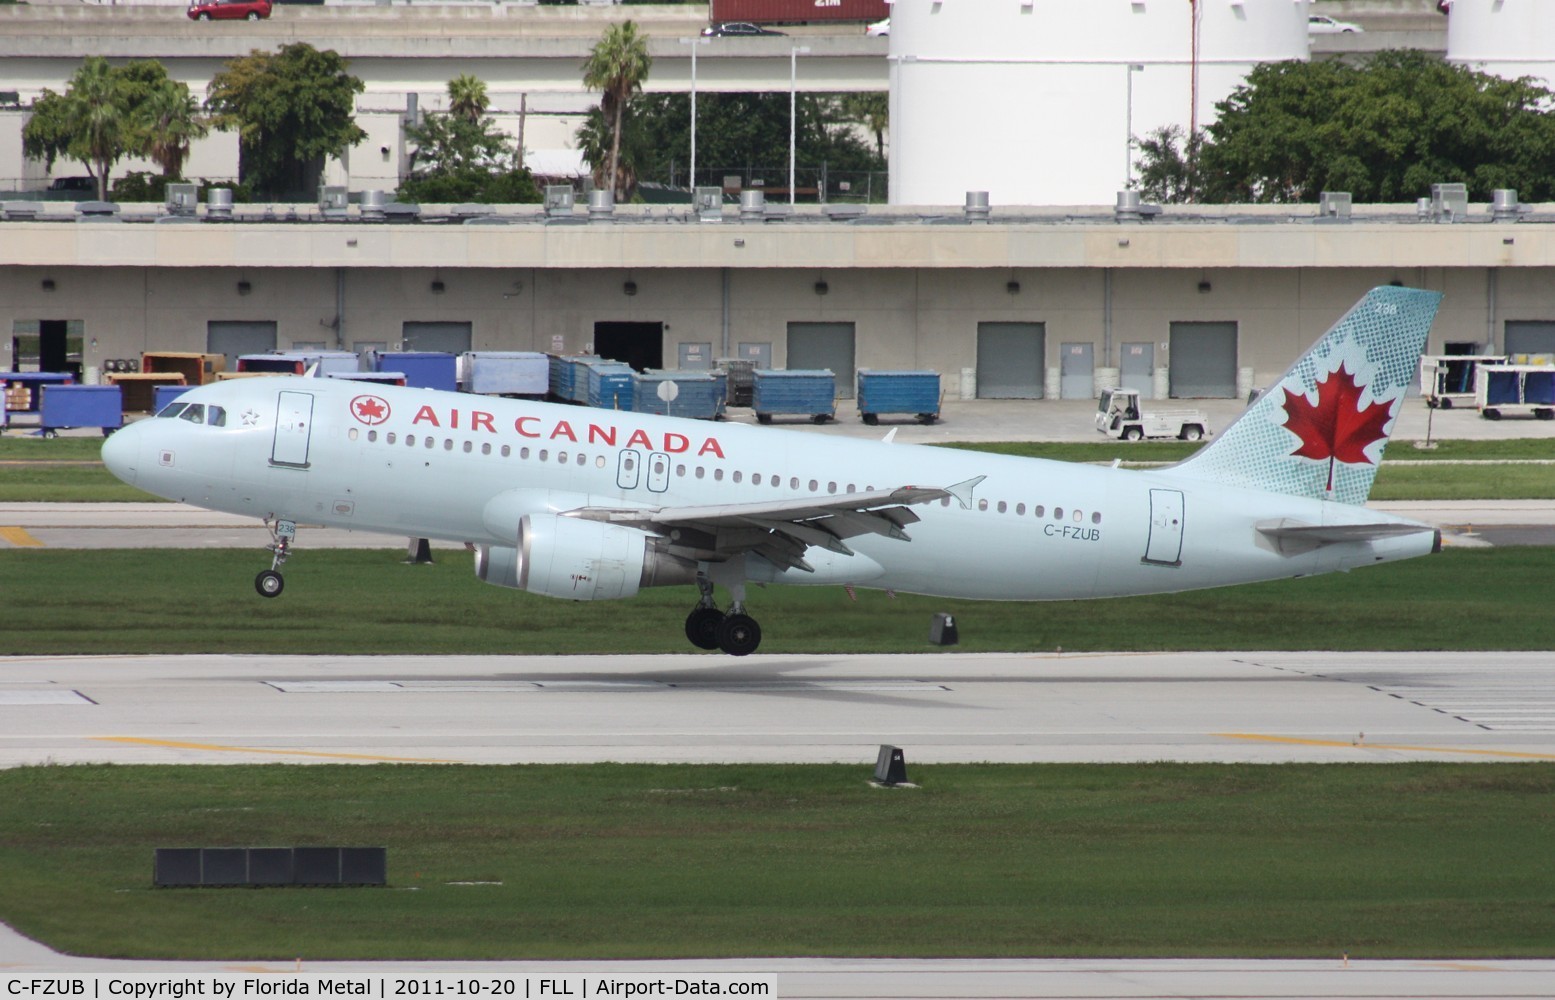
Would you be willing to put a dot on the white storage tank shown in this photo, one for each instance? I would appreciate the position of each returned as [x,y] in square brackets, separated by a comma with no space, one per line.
[1507,39]
[1033,101]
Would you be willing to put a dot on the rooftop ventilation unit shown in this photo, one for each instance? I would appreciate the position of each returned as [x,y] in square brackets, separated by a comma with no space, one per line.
[753,206]
[372,205]
[1132,208]
[1503,205]
[1334,205]
[558,199]
[709,203]
[396,212]
[97,211]
[183,199]
[218,204]
[333,200]
[1449,202]
[21,211]
[602,206]
[977,206]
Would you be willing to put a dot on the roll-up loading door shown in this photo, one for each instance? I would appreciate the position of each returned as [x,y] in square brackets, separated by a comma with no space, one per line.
[1010,360]
[1202,361]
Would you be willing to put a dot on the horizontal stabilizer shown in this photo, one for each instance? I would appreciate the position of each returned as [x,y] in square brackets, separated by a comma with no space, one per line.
[1298,536]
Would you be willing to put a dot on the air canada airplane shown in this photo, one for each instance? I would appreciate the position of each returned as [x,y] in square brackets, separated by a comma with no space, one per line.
[587,504]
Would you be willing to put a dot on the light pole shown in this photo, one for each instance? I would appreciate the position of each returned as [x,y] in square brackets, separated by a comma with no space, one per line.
[694,42]
[1128,147]
[793,90]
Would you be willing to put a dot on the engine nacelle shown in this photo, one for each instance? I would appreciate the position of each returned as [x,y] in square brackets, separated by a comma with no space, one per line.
[580,560]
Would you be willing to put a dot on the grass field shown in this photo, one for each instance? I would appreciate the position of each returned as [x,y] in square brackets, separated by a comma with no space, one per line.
[665,861]
[368,601]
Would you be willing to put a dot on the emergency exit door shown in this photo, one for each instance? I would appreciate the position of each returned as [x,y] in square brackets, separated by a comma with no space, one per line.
[1165,544]
[293,428]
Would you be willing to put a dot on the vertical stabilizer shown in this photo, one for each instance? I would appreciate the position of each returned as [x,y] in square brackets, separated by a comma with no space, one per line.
[1320,430]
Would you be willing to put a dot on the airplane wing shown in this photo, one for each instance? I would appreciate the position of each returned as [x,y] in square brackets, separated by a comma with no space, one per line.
[780,530]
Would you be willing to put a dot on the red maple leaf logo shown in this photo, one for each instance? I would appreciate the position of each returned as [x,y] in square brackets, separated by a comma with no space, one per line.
[1338,428]
[370,410]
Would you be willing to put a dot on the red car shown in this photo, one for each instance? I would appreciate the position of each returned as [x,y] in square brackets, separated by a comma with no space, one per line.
[229,10]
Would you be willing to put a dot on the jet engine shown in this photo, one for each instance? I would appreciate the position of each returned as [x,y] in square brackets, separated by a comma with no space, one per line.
[580,560]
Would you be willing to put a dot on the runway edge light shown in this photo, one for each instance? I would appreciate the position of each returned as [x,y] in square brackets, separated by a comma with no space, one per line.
[890,766]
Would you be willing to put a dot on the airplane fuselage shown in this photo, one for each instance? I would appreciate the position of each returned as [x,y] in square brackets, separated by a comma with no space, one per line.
[465,468]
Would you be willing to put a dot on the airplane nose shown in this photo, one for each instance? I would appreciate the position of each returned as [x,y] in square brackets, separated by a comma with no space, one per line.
[121,452]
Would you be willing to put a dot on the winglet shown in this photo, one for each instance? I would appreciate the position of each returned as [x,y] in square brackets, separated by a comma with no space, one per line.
[963,491]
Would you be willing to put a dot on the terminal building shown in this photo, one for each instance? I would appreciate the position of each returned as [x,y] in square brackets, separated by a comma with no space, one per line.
[1005,291]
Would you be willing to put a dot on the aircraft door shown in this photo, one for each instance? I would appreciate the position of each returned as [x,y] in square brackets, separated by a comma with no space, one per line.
[629,468]
[293,428]
[1165,544]
[658,472]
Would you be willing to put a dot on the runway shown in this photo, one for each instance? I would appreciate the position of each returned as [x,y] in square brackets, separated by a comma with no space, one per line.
[1225,707]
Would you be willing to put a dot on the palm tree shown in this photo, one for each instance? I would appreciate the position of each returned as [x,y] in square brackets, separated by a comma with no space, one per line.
[171,121]
[467,98]
[96,120]
[617,65]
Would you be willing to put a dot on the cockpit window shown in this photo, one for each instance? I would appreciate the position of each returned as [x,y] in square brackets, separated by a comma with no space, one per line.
[216,416]
[173,409]
[195,414]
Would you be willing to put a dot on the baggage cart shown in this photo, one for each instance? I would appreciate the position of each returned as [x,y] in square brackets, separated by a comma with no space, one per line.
[914,392]
[506,373]
[809,392]
[164,394]
[1505,389]
[608,385]
[699,395]
[196,368]
[140,388]
[298,362]
[22,396]
[376,378]
[68,406]
[1447,380]
[740,377]
[422,369]
[569,376]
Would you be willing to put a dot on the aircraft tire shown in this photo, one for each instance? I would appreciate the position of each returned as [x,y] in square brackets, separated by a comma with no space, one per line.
[702,627]
[739,635]
[269,583]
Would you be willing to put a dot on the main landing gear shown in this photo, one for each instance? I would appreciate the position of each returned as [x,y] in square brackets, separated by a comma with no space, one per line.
[269,582]
[736,632]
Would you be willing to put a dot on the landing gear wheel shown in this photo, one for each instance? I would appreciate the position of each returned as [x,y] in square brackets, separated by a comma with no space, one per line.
[738,635]
[269,583]
[702,627]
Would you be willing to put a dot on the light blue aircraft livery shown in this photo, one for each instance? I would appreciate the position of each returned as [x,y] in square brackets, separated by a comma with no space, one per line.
[588,504]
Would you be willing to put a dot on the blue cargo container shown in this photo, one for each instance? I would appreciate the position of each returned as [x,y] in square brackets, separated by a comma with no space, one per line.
[81,406]
[811,392]
[608,385]
[422,369]
[915,392]
[696,394]
[569,376]
[161,395]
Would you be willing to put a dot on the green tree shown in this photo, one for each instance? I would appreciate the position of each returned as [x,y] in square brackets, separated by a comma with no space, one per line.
[617,66]
[459,160]
[291,109]
[1384,131]
[871,109]
[467,98]
[109,113]
[1169,165]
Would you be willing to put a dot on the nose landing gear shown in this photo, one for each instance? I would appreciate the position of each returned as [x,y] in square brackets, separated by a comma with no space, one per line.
[270,583]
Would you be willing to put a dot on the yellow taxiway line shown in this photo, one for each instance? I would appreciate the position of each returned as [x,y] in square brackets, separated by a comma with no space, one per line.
[1345,744]
[176,745]
[19,537]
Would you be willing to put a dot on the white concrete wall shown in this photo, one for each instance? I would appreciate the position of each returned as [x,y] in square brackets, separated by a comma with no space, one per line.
[1507,39]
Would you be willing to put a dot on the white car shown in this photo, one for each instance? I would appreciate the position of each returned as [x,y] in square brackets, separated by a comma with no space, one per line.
[879,29]
[1318,24]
